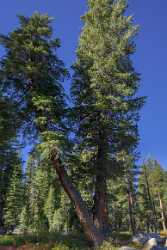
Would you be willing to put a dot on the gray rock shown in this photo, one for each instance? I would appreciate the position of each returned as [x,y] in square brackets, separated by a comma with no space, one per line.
[165,242]
[17,231]
[160,240]
[140,238]
[150,244]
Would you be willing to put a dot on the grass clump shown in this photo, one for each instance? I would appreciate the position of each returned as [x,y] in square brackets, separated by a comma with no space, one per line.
[107,246]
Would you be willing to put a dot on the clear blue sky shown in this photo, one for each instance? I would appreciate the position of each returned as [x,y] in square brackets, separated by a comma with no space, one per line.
[149,60]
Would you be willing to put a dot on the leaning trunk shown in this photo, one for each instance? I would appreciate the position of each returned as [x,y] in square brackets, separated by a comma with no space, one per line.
[93,234]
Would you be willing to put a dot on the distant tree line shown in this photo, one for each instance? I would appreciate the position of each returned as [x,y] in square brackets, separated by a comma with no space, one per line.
[35,203]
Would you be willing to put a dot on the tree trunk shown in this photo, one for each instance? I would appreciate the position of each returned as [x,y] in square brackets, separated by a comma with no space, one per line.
[131,215]
[152,206]
[131,204]
[100,211]
[163,217]
[93,234]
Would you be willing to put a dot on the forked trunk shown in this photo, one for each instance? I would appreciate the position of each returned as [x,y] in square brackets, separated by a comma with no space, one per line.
[93,234]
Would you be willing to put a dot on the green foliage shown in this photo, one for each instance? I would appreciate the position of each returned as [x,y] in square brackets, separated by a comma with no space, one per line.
[33,71]
[37,185]
[152,183]
[46,207]
[118,204]
[8,124]
[23,220]
[104,88]
[56,241]
[14,197]
[31,76]
[8,155]
[62,214]
[38,192]
[10,240]
[50,208]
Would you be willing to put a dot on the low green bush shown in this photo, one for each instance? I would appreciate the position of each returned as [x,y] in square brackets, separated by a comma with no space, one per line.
[11,240]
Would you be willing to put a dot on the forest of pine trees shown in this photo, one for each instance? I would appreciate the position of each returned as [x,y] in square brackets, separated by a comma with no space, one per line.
[82,174]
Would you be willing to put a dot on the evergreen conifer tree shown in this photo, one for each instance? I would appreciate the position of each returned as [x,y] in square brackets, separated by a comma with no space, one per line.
[104,91]
[8,154]
[14,197]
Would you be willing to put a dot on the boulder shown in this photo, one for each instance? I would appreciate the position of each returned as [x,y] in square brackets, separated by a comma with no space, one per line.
[140,238]
[17,231]
[150,244]
[166,243]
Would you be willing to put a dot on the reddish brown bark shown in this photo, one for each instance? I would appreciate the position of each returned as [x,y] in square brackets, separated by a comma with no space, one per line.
[100,211]
[93,234]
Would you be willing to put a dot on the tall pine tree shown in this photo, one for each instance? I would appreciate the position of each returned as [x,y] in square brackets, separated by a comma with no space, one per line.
[104,89]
